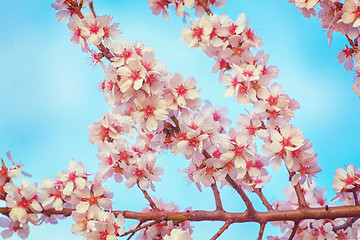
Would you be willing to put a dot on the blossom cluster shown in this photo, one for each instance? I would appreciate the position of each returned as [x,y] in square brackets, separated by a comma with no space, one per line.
[71,189]
[245,72]
[338,16]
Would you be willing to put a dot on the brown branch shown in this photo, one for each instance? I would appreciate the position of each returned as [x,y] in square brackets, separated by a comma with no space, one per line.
[299,192]
[221,230]
[75,8]
[356,199]
[346,225]
[261,230]
[199,215]
[176,123]
[147,196]
[263,198]
[250,208]
[132,234]
[217,197]
[352,44]
[91,5]
[206,154]
[105,51]
[293,231]
[139,227]
[259,193]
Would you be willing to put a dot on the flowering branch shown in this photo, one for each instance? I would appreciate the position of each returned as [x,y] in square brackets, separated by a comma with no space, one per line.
[200,215]
[145,98]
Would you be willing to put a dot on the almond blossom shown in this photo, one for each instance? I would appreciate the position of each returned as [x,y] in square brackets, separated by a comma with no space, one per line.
[22,229]
[93,199]
[199,32]
[75,177]
[64,9]
[22,199]
[184,92]
[351,13]
[347,181]
[150,112]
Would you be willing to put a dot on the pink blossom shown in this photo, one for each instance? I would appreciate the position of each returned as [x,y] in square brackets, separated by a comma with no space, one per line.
[79,33]
[199,32]
[351,13]
[75,177]
[345,180]
[22,199]
[184,92]
[346,57]
[64,10]
[22,229]
[142,171]
[159,6]
[149,112]
[93,199]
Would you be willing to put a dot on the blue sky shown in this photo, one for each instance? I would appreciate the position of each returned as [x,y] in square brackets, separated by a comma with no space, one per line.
[49,95]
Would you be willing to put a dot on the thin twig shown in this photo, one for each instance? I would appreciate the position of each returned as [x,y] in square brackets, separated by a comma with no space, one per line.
[293,232]
[132,234]
[250,208]
[91,5]
[176,123]
[352,44]
[259,193]
[222,229]
[299,192]
[263,198]
[356,199]
[139,227]
[345,225]
[217,197]
[147,196]
[261,230]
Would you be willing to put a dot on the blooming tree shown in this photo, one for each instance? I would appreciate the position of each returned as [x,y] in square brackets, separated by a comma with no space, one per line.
[155,111]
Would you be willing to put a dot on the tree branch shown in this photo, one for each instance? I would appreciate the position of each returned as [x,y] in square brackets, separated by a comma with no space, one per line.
[261,230]
[293,231]
[250,208]
[139,227]
[147,196]
[222,229]
[356,199]
[200,215]
[263,199]
[217,197]
[299,192]
[346,225]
